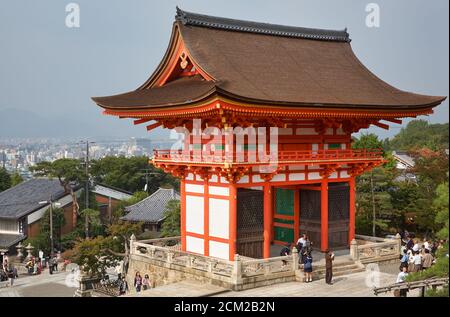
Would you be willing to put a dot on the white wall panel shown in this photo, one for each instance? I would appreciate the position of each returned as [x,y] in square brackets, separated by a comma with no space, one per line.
[194,214]
[219,250]
[296,176]
[195,245]
[194,188]
[314,176]
[219,211]
[219,190]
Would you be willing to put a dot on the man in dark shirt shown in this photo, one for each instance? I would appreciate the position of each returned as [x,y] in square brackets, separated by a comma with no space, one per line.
[329,257]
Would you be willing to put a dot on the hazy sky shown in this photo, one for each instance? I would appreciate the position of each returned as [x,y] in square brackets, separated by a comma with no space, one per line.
[53,70]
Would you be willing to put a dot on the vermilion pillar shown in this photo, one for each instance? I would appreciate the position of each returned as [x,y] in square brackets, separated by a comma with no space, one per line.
[324,215]
[296,214]
[268,204]
[233,222]
[351,224]
[183,213]
[206,216]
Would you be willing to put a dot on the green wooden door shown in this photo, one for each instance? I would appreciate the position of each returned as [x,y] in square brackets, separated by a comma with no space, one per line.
[284,205]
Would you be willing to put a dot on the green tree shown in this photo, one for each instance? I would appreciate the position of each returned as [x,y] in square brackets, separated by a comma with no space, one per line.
[68,172]
[16,179]
[441,206]
[42,240]
[130,174]
[171,224]
[5,179]
[93,223]
[419,134]
[374,211]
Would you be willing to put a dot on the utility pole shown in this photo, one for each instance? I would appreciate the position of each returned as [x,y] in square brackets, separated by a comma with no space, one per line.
[86,190]
[147,174]
[51,225]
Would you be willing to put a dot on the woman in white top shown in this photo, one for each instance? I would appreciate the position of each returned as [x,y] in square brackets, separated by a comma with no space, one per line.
[401,277]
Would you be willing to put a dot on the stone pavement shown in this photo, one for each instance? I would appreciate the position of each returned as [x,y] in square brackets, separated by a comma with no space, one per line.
[43,285]
[186,288]
[352,285]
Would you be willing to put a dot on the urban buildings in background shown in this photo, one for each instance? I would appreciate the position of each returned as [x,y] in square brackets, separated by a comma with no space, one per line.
[18,155]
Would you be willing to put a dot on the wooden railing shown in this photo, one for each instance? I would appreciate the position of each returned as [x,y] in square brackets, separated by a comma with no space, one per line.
[254,157]
[372,249]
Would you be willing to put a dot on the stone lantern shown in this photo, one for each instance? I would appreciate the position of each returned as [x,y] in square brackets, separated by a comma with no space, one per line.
[19,249]
[29,249]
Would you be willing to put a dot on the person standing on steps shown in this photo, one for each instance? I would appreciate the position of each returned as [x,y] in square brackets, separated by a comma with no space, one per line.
[307,267]
[329,257]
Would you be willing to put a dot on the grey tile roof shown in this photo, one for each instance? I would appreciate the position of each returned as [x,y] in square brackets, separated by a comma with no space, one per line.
[7,240]
[24,198]
[151,209]
[195,19]
[404,158]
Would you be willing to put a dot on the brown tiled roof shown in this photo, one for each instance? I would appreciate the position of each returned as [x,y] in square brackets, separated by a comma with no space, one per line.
[269,64]
[181,91]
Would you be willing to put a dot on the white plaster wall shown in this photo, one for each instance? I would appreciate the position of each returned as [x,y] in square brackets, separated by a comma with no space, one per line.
[344,174]
[190,177]
[279,178]
[296,177]
[296,167]
[285,131]
[214,179]
[219,211]
[194,214]
[306,131]
[194,188]
[219,250]
[195,245]
[334,175]
[257,179]
[219,190]
[314,176]
[243,180]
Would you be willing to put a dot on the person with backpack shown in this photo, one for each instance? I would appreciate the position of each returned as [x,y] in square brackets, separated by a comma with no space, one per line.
[404,261]
[307,268]
[284,252]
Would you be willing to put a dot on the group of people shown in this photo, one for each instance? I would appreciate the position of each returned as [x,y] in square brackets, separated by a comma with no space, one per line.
[35,266]
[140,283]
[7,270]
[416,256]
[304,247]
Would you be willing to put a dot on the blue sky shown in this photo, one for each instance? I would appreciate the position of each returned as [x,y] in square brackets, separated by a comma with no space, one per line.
[52,70]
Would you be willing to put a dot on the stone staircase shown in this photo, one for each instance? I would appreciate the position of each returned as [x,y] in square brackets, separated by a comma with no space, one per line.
[339,268]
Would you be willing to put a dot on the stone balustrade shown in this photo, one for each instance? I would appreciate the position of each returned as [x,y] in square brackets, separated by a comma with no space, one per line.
[239,274]
[368,249]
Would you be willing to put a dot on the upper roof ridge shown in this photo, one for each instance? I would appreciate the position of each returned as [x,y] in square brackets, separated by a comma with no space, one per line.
[195,19]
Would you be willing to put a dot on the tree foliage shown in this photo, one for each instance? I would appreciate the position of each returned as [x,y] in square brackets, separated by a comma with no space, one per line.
[69,172]
[171,224]
[130,174]
[420,134]
[42,240]
[16,179]
[5,179]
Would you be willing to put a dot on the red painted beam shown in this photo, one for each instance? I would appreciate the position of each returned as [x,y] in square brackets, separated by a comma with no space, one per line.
[153,126]
[381,125]
[398,121]
[143,120]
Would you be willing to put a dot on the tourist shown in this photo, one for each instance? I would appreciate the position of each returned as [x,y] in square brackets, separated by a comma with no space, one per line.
[123,285]
[146,282]
[54,263]
[404,261]
[138,282]
[329,257]
[409,243]
[417,258]
[284,252]
[30,266]
[427,259]
[401,278]
[307,268]
[301,240]
[426,244]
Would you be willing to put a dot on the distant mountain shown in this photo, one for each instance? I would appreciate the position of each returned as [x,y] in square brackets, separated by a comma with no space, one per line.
[25,124]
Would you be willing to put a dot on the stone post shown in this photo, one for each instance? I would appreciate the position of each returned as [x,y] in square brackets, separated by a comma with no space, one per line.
[354,250]
[189,261]
[169,257]
[132,240]
[29,249]
[294,259]
[236,275]
[19,249]
[398,237]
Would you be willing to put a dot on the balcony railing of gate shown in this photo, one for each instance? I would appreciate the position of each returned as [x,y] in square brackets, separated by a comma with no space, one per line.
[254,157]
